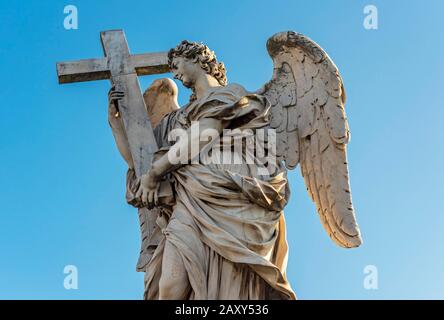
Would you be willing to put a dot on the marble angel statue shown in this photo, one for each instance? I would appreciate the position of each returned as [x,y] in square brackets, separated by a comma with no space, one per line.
[224,237]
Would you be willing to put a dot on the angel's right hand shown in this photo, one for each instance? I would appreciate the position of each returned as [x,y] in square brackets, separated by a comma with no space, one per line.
[114,96]
[113,110]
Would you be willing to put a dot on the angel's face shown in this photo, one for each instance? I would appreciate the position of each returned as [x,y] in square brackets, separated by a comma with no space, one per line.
[185,70]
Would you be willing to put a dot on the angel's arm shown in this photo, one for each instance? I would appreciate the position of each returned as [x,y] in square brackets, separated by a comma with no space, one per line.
[116,125]
[187,142]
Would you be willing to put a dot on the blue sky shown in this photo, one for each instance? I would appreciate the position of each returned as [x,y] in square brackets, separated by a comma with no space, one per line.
[62,180]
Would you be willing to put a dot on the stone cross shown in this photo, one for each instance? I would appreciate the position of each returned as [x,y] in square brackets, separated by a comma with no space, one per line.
[123,69]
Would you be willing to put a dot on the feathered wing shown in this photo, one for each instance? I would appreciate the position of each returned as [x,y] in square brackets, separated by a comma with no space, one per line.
[160,99]
[307,98]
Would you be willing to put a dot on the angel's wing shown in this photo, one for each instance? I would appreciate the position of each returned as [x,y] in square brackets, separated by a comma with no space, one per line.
[307,98]
[160,99]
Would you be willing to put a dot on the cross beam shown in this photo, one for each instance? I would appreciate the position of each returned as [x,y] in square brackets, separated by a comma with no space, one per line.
[123,68]
[101,69]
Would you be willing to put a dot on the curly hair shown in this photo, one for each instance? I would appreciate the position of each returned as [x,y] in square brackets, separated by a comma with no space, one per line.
[200,53]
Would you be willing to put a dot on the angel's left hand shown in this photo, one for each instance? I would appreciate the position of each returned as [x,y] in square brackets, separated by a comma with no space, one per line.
[148,189]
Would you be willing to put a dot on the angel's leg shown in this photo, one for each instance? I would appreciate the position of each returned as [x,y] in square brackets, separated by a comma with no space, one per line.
[174,283]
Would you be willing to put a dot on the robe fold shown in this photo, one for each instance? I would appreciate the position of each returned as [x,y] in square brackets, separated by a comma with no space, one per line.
[228,222]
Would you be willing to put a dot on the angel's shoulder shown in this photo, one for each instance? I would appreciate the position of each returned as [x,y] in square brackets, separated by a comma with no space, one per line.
[232,89]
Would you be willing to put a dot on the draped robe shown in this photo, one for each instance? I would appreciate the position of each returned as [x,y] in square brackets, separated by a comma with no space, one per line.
[227,222]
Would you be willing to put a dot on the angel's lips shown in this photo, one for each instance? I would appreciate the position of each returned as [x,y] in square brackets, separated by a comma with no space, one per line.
[187,84]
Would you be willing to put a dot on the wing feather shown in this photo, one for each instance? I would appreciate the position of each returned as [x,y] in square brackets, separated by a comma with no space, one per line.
[293,149]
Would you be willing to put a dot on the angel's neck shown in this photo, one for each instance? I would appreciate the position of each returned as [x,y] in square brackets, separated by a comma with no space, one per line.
[204,84]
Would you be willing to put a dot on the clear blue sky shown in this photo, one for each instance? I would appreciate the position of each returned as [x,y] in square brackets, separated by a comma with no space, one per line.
[62,180]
